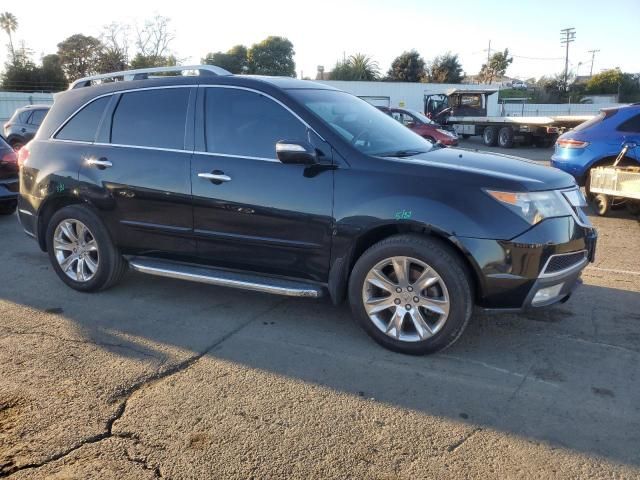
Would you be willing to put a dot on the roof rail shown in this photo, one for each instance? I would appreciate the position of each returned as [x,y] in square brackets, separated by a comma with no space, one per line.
[145,73]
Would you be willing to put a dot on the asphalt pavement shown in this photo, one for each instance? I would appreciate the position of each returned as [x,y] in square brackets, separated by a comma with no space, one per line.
[158,378]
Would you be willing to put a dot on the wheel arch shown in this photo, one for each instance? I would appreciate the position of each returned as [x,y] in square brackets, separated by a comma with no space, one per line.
[342,267]
[47,210]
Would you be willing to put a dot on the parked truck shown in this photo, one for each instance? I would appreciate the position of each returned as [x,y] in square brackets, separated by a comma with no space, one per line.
[465,112]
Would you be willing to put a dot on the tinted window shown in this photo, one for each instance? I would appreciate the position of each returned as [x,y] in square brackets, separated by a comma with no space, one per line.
[240,122]
[84,124]
[631,125]
[151,118]
[37,117]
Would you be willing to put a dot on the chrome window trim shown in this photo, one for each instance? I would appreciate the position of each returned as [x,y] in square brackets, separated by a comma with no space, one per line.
[195,152]
[577,266]
[230,155]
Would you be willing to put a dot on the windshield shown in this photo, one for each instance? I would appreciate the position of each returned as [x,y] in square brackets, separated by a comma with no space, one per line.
[364,126]
[420,116]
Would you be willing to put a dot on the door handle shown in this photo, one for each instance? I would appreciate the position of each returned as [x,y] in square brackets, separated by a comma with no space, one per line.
[101,163]
[215,177]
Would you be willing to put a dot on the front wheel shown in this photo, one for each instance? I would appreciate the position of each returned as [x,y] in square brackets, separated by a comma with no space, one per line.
[411,294]
[81,250]
[490,136]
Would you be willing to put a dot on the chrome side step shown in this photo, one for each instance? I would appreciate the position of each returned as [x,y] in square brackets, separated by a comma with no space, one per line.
[225,278]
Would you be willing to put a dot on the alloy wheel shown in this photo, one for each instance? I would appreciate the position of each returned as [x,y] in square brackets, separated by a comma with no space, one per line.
[76,250]
[406,299]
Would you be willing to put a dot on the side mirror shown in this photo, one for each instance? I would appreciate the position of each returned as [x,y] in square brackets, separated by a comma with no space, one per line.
[296,153]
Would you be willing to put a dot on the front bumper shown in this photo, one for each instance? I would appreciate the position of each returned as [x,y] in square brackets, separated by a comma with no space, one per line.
[512,273]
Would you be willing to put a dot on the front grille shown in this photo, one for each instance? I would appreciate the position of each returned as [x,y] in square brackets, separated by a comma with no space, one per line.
[558,263]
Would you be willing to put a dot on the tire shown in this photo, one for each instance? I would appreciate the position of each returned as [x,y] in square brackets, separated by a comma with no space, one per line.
[490,136]
[17,144]
[452,284]
[601,204]
[505,137]
[109,266]
[8,208]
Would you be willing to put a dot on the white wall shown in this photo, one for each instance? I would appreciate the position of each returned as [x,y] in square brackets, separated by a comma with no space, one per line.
[404,94]
[11,101]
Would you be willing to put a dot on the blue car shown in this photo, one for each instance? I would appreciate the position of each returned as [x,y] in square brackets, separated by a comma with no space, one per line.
[598,141]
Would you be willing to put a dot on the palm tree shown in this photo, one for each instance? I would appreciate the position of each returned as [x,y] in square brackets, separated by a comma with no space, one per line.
[364,67]
[9,23]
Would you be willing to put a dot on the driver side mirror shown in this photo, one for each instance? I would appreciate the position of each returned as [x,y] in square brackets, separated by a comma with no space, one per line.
[296,153]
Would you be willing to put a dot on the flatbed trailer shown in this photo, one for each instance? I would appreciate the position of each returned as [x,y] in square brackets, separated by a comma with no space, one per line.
[465,112]
[616,184]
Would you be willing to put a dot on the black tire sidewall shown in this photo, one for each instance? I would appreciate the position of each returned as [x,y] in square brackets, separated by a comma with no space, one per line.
[443,262]
[492,135]
[505,137]
[106,251]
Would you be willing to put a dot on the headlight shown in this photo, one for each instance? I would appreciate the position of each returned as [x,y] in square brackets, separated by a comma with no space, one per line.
[446,132]
[534,206]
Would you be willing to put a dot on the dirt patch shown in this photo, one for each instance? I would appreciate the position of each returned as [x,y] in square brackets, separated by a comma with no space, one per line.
[12,408]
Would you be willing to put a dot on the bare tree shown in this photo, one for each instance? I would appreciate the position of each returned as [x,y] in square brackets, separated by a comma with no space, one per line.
[115,53]
[155,37]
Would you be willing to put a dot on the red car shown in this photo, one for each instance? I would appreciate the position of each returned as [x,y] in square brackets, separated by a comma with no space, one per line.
[422,125]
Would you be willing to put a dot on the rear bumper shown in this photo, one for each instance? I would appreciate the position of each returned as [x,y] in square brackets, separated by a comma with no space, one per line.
[515,275]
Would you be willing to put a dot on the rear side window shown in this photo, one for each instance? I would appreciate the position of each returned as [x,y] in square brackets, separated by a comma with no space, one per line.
[151,118]
[84,124]
[37,117]
[248,124]
[631,125]
[603,115]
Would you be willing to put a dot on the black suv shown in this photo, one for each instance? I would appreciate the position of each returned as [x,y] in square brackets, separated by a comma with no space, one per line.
[290,187]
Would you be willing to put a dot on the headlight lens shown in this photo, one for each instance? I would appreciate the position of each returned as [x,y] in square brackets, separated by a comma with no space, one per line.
[534,206]
[446,132]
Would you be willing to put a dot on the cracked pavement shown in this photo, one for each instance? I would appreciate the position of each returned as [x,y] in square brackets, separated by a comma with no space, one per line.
[165,379]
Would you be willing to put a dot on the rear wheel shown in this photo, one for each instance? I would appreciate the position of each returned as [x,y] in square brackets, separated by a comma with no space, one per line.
[505,137]
[81,250]
[490,136]
[601,204]
[411,294]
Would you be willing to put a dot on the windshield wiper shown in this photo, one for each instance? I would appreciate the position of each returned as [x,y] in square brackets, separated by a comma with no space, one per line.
[400,153]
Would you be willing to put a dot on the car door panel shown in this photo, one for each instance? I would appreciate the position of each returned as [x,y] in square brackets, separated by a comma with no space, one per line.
[267,217]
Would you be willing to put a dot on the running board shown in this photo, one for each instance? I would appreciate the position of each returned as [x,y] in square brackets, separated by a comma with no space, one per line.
[224,278]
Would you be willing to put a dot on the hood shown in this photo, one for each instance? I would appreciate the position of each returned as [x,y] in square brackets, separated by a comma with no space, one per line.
[492,170]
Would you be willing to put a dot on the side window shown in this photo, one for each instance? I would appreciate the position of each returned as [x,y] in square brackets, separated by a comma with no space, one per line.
[84,124]
[245,123]
[24,116]
[151,118]
[37,117]
[631,125]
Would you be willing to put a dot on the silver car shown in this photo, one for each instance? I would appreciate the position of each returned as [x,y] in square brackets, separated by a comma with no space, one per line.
[24,123]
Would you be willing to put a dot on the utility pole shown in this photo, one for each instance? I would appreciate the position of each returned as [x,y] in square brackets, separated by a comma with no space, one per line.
[593,56]
[489,52]
[568,36]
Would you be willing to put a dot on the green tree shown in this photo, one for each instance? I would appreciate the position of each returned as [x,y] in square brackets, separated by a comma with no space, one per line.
[496,67]
[51,74]
[272,56]
[408,67]
[80,55]
[146,61]
[9,23]
[356,67]
[234,60]
[614,81]
[445,69]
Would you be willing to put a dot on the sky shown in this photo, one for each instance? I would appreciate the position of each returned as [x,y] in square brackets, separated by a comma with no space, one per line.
[322,32]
